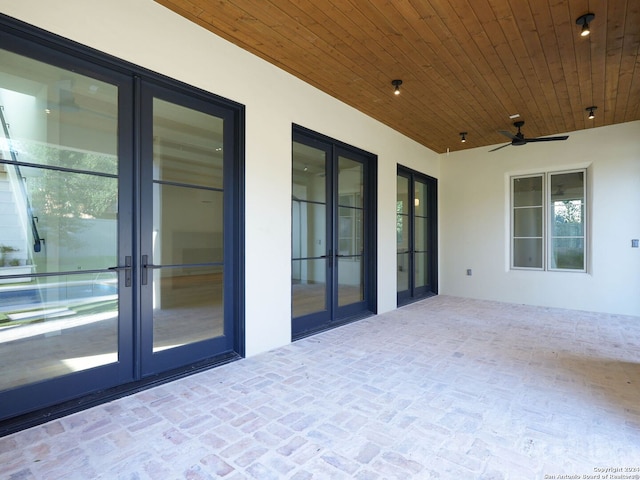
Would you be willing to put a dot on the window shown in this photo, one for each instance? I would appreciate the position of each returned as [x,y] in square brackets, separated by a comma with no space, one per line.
[548,221]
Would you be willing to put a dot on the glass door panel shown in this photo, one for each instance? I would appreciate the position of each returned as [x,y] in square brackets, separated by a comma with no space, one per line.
[350,182]
[183,277]
[403,234]
[309,282]
[350,281]
[56,325]
[188,306]
[310,222]
[421,272]
[187,295]
[310,245]
[350,231]
[421,201]
[64,294]
[421,237]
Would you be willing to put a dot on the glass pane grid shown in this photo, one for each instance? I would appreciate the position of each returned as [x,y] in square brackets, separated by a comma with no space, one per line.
[188,145]
[308,220]
[403,272]
[308,286]
[550,237]
[420,199]
[528,191]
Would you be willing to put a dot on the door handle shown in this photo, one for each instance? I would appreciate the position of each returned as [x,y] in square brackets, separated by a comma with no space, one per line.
[127,270]
[330,257]
[145,267]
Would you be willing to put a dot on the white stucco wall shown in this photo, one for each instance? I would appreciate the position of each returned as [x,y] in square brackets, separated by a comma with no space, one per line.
[149,35]
[474,225]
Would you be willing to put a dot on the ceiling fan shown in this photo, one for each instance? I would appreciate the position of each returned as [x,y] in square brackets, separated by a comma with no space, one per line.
[519,138]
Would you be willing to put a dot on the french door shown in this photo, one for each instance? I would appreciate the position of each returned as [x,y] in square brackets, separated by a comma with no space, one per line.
[184,277]
[333,212]
[118,228]
[416,235]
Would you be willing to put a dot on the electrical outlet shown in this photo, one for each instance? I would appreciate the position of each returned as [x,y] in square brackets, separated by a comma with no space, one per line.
[634,243]
[469,272]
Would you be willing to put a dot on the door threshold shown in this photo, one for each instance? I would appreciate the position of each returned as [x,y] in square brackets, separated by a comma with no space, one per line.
[38,417]
[332,325]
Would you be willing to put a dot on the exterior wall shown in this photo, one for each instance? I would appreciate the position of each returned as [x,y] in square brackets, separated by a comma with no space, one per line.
[149,35]
[475,222]
[473,184]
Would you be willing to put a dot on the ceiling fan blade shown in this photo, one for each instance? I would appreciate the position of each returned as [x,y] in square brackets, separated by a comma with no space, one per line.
[508,134]
[498,148]
[547,139]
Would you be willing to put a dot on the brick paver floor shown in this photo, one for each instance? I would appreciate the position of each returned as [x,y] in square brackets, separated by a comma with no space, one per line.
[445,388]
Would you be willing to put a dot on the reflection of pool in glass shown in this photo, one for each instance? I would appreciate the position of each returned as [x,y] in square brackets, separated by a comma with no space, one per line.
[75,328]
[56,292]
[28,310]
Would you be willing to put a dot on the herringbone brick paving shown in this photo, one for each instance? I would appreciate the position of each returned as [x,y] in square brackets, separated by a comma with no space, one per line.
[445,388]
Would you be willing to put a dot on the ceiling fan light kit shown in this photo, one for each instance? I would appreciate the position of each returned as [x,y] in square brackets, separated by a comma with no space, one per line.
[584,21]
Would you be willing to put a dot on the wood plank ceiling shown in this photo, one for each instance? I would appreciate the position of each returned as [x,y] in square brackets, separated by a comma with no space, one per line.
[466,65]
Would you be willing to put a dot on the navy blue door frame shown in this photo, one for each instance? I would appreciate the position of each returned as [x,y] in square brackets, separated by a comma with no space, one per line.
[420,259]
[336,314]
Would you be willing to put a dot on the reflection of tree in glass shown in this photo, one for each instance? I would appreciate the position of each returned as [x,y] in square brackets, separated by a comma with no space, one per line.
[399,221]
[568,246]
[568,217]
[65,201]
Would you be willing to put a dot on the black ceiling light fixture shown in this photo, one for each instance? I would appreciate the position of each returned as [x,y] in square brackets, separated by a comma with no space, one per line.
[396,83]
[584,21]
[590,110]
[463,137]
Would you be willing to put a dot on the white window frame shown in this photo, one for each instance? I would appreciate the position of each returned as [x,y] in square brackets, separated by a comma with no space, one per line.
[547,221]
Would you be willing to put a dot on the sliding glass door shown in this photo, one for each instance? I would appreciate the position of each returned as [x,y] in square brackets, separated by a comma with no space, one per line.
[333,211]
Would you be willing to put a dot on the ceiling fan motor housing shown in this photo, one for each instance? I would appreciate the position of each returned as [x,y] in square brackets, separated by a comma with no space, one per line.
[520,136]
